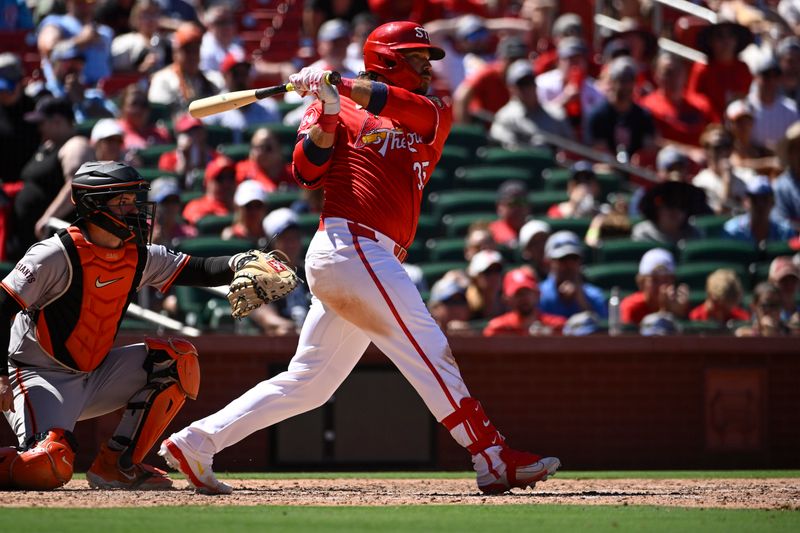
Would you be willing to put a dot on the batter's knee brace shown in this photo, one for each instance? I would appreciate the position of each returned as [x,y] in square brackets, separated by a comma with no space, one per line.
[47,464]
[173,374]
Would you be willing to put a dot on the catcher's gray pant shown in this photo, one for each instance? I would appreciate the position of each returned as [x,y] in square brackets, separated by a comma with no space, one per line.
[51,396]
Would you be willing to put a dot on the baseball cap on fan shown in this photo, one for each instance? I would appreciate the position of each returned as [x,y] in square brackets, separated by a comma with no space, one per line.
[105,128]
[279,221]
[781,267]
[657,259]
[519,278]
[232,59]
[531,229]
[471,28]
[250,191]
[445,288]
[519,71]
[482,261]
[333,29]
[561,244]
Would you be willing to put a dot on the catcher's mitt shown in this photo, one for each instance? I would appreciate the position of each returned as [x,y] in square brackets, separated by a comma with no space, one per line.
[259,278]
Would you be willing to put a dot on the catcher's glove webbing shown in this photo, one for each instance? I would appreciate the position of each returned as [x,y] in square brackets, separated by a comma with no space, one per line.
[259,278]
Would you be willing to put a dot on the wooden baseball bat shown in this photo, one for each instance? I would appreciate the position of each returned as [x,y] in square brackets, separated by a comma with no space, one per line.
[220,103]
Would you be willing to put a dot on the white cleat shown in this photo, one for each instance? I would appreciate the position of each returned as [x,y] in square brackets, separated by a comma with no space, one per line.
[522,470]
[199,474]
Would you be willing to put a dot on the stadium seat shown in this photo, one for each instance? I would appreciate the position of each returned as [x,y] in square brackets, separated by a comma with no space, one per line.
[469,136]
[723,250]
[617,250]
[213,224]
[209,246]
[535,160]
[608,276]
[491,176]
[151,154]
[160,112]
[440,179]
[759,272]
[555,179]
[218,135]
[461,201]
[447,249]
[456,225]
[710,225]
[777,249]
[85,128]
[237,151]
[308,223]
[417,253]
[575,225]
[454,157]
[432,271]
[541,201]
[694,274]
[151,173]
[188,196]
[283,198]
[427,228]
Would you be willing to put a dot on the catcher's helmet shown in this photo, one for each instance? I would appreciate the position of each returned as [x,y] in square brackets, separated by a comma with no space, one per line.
[96,182]
[383,52]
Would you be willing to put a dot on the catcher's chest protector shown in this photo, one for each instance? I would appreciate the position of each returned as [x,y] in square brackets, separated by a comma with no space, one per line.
[78,329]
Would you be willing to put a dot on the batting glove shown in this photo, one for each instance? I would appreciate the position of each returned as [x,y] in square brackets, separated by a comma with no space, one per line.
[313,81]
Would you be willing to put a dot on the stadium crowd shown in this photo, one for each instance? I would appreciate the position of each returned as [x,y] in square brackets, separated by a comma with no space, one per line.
[595,181]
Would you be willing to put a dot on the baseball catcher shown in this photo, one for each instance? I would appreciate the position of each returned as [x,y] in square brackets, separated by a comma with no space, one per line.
[67,297]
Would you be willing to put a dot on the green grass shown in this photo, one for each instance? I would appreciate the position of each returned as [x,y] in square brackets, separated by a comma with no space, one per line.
[417,519]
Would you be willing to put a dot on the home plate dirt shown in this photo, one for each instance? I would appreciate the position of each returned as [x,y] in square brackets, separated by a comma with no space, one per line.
[718,493]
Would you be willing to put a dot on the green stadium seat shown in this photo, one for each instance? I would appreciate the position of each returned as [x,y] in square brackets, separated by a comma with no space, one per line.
[440,180]
[622,275]
[721,250]
[218,135]
[777,249]
[454,157]
[417,253]
[188,196]
[151,174]
[160,112]
[447,249]
[541,201]
[432,271]
[469,136]
[461,201]
[237,152]
[151,154]
[710,225]
[456,225]
[308,223]
[490,177]
[213,224]
[696,297]
[283,198]
[6,268]
[535,160]
[555,179]
[618,250]
[209,246]
[427,228]
[85,128]
[694,274]
[759,272]
[703,328]
[285,107]
[575,225]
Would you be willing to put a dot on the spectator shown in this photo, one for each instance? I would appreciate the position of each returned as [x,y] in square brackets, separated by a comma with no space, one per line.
[77,28]
[18,138]
[220,38]
[67,66]
[724,190]
[532,238]
[168,226]
[106,139]
[619,125]
[315,12]
[16,15]
[569,87]
[678,116]
[180,82]
[47,176]
[138,131]
[787,186]
[774,113]
[363,23]
[485,271]
[784,274]
[483,93]
[658,325]
[512,211]
[265,163]
[143,50]
[642,46]
[758,224]
[250,200]
[478,238]
[766,313]
[667,207]
[748,158]
[236,70]
[583,190]
[521,293]
[448,303]
[723,296]
[566,25]
[788,52]
[657,290]
[724,78]
[582,324]
[672,164]
[520,122]
[563,292]
[220,186]
[284,316]
[192,152]
[612,222]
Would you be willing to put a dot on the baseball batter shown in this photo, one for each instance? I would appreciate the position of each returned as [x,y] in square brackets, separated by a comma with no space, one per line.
[372,150]
[67,297]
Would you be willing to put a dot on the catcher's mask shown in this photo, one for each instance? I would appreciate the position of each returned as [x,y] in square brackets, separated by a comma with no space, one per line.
[96,182]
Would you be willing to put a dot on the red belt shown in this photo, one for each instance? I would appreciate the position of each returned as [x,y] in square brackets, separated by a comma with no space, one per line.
[368,233]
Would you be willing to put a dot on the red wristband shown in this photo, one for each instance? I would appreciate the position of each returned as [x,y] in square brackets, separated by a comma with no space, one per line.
[327,123]
[345,87]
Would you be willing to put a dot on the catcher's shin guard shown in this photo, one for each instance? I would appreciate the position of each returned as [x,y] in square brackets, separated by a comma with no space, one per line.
[173,373]
[46,465]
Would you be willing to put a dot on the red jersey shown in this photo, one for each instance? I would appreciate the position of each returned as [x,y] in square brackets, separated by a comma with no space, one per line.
[720,83]
[205,205]
[380,165]
[503,233]
[512,323]
[633,308]
[700,314]
[248,170]
[681,123]
[489,91]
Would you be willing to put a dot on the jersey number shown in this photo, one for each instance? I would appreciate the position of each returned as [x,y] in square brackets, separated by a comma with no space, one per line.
[422,174]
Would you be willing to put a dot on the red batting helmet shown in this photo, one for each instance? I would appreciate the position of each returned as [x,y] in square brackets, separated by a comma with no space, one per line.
[383,47]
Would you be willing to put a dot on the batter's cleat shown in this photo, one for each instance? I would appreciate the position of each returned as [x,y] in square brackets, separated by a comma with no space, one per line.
[105,473]
[198,473]
[522,470]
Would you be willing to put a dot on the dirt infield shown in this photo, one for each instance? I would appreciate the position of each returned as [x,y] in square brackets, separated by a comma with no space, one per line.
[708,493]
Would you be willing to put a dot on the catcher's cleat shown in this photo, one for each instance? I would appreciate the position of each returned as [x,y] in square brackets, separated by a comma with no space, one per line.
[105,473]
[199,474]
[522,470]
